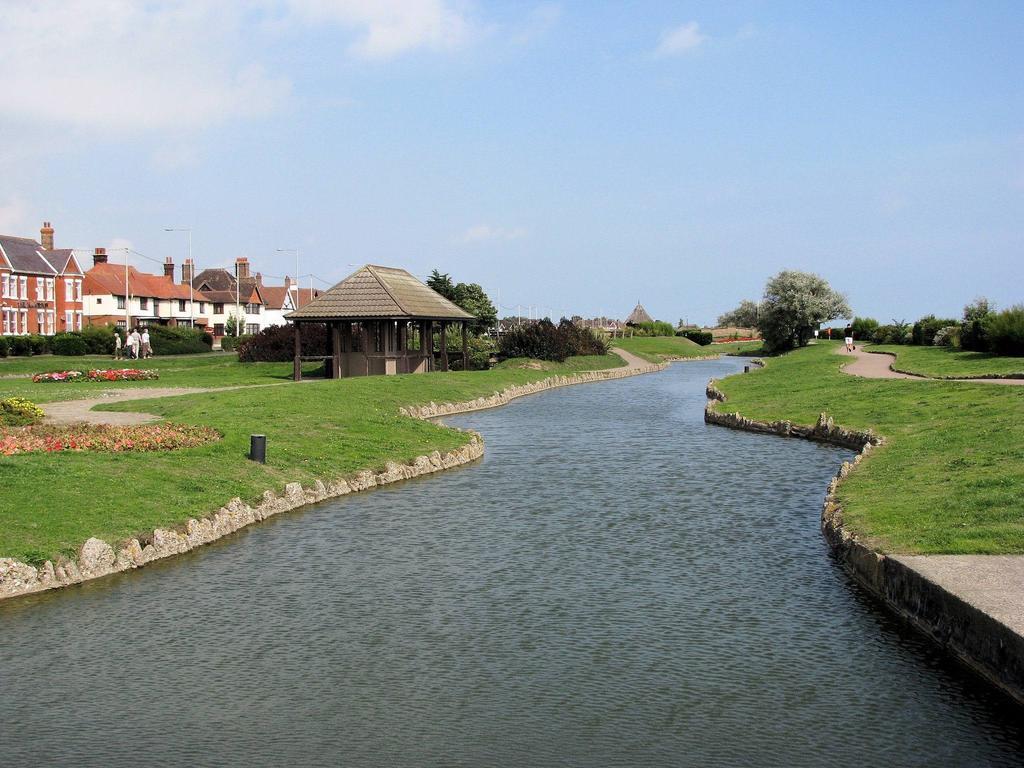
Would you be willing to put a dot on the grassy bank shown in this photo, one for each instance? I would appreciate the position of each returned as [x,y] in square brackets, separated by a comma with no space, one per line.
[654,349]
[317,430]
[945,362]
[581,363]
[950,479]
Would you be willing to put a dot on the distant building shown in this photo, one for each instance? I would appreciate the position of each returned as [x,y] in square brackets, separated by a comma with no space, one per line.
[638,315]
[40,286]
[282,299]
[116,294]
[602,323]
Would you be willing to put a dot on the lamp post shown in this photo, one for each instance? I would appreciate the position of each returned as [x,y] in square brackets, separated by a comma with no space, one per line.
[191,297]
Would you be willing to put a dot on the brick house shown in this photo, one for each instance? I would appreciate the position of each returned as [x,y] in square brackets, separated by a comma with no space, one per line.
[125,296]
[40,286]
[282,299]
[232,295]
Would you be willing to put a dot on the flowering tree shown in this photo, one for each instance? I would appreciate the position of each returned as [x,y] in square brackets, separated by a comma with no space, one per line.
[795,304]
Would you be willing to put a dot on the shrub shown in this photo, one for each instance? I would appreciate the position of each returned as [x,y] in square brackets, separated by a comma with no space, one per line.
[230,343]
[276,344]
[863,327]
[654,328]
[973,330]
[546,341]
[99,339]
[70,344]
[700,337]
[1006,331]
[4,346]
[40,344]
[895,333]
[947,337]
[925,329]
[178,340]
[21,346]
[481,350]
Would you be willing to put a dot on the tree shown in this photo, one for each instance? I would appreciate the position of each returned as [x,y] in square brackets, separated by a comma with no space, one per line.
[744,316]
[795,305]
[442,283]
[468,296]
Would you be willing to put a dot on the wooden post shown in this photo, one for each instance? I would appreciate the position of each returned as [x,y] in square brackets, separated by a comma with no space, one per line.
[346,346]
[428,343]
[336,349]
[444,345]
[297,364]
[465,346]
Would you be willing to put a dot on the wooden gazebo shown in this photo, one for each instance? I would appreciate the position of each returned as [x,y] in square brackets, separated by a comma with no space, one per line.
[381,321]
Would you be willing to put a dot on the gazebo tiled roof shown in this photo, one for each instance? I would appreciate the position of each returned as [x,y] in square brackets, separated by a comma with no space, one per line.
[380,292]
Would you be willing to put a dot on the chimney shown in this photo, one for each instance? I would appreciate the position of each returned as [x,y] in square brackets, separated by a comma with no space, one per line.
[259,279]
[46,236]
[169,268]
[188,272]
[99,256]
[241,267]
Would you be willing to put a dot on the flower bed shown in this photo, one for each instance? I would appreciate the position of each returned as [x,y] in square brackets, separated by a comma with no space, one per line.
[104,437]
[17,411]
[113,374]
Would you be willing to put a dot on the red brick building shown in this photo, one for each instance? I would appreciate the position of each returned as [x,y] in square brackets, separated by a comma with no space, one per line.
[40,286]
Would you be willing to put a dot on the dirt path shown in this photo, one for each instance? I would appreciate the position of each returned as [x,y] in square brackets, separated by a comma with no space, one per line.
[78,411]
[878,365]
[632,361]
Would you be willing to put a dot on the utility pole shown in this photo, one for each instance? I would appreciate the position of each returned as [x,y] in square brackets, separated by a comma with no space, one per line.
[191,293]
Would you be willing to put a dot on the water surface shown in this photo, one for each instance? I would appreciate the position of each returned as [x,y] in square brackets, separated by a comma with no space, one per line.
[615,584]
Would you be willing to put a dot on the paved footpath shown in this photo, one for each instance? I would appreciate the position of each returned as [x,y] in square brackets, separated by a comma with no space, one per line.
[878,365]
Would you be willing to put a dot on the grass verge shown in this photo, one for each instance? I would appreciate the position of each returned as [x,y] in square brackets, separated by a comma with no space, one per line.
[950,478]
[948,363]
[654,349]
[324,429]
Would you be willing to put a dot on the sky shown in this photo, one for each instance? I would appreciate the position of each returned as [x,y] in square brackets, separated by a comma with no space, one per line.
[571,157]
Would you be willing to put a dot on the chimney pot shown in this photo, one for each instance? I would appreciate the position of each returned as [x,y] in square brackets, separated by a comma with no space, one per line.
[46,236]
[241,267]
[169,268]
[188,272]
[99,256]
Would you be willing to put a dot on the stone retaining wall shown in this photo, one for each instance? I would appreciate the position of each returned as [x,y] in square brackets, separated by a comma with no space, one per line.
[982,642]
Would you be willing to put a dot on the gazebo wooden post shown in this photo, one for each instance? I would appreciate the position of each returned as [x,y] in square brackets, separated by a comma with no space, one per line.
[465,346]
[428,343]
[444,345]
[336,349]
[297,363]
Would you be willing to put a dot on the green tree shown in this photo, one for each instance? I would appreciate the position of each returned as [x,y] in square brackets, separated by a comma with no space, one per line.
[795,304]
[744,316]
[471,297]
[442,283]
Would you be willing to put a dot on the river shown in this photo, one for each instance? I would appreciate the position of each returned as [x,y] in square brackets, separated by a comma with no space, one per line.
[614,584]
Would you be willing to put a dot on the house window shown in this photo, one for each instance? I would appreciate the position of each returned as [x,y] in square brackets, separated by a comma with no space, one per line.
[24,320]
[24,287]
[69,290]
[120,302]
[181,305]
[78,320]
[202,307]
[4,288]
[40,321]
[78,290]
[121,324]
[218,329]
[252,328]
[252,309]
[51,321]
[143,302]
[69,321]
[218,309]
[40,289]
[99,300]
[6,323]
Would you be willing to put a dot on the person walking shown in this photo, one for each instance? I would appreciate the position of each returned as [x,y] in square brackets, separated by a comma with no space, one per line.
[117,345]
[848,333]
[135,341]
[147,351]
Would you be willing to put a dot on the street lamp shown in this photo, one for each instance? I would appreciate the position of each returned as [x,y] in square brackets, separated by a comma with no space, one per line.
[191,276]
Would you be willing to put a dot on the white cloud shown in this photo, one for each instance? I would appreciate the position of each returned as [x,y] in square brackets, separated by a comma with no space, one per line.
[388,28]
[485,232]
[679,40]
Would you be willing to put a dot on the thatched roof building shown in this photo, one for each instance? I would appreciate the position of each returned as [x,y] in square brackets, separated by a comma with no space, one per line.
[638,315]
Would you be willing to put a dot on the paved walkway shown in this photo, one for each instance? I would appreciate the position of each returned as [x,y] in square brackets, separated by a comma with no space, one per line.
[77,411]
[878,365]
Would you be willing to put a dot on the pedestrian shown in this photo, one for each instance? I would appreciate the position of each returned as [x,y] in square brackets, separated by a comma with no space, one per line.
[147,351]
[135,342]
[848,333]
[117,345]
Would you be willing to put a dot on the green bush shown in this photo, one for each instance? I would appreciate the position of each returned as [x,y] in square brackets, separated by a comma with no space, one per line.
[895,333]
[1006,331]
[4,346]
[654,328]
[481,350]
[99,339]
[863,327]
[178,340]
[546,341]
[974,328]
[925,329]
[40,344]
[699,337]
[71,344]
[276,344]
[21,346]
[947,337]
[229,343]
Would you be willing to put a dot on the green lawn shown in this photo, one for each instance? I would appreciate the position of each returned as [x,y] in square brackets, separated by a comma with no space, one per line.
[948,363]
[581,363]
[656,348]
[951,477]
[210,370]
[317,430]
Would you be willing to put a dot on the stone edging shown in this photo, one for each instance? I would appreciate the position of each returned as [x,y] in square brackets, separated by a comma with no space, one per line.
[97,558]
[982,642]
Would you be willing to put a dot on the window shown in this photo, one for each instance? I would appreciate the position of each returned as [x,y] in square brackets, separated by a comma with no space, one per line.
[51,321]
[78,290]
[4,289]
[78,320]
[252,309]
[49,288]
[99,300]
[121,324]
[24,319]
[6,323]
[202,307]
[69,290]
[40,321]
[40,289]
[120,302]
[218,329]
[69,321]
[24,287]
[218,309]
[143,302]
[181,305]
[252,328]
